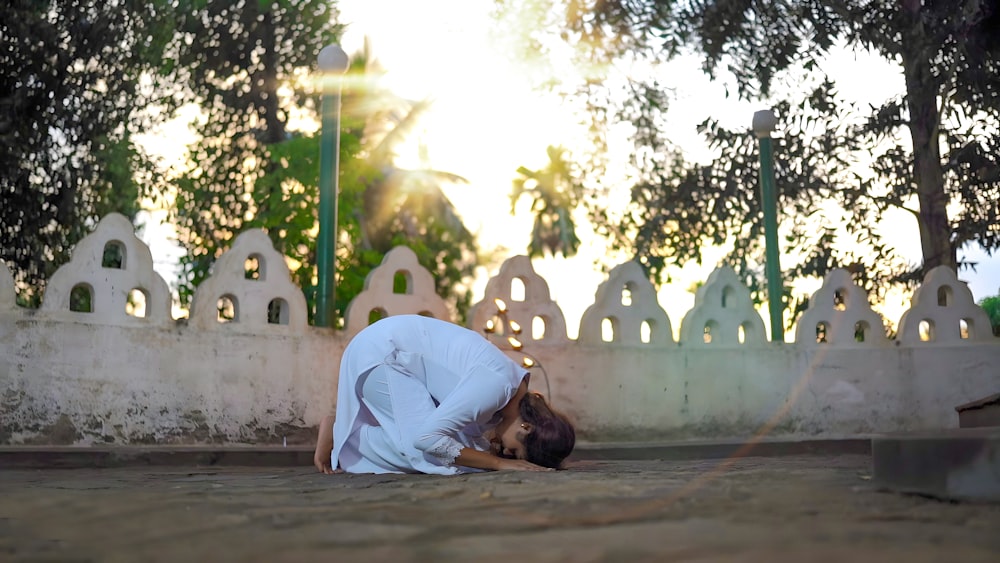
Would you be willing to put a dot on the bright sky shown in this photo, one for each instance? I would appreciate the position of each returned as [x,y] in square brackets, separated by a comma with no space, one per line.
[486,121]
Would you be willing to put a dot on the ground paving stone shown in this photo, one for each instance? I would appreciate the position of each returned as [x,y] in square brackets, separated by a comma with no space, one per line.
[816,508]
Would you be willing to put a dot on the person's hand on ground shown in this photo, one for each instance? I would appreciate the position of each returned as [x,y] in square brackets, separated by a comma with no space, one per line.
[322,463]
[324,446]
[504,464]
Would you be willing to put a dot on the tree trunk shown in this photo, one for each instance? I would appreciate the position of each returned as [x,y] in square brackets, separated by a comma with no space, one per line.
[267,89]
[264,88]
[922,89]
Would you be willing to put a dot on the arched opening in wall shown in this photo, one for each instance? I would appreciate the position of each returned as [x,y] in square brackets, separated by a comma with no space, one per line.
[727,296]
[840,300]
[646,331]
[965,328]
[376,315]
[627,295]
[741,333]
[537,328]
[277,312]
[518,291]
[402,282]
[822,332]
[81,298]
[711,332]
[861,330]
[253,268]
[228,309]
[944,296]
[114,255]
[926,330]
[426,314]
[135,304]
[609,329]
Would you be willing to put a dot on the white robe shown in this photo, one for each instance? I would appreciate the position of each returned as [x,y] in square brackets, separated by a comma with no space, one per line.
[445,386]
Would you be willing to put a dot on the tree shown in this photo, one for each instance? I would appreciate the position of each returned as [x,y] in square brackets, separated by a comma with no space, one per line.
[383,205]
[992,307]
[239,63]
[70,104]
[248,66]
[556,192]
[934,145]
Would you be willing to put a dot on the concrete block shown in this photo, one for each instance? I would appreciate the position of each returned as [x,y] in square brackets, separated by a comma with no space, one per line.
[984,412]
[959,464]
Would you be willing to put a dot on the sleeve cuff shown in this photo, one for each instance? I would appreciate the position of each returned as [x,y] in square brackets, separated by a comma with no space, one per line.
[445,450]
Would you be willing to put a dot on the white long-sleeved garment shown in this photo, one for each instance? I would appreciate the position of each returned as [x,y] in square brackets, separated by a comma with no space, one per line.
[413,391]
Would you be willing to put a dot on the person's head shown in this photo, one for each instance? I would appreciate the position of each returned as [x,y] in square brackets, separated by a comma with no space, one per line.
[540,434]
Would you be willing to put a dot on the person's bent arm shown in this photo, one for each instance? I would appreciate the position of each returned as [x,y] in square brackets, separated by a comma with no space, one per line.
[474,398]
[476,459]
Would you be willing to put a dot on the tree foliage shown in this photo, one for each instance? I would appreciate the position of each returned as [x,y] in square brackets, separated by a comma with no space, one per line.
[384,205]
[77,89]
[992,307]
[239,62]
[70,104]
[555,192]
[930,151]
[250,67]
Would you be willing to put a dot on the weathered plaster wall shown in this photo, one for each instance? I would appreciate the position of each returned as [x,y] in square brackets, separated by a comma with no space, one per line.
[68,382]
[774,391]
[106,376]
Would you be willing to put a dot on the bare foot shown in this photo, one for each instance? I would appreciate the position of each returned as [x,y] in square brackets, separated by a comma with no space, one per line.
[324,447]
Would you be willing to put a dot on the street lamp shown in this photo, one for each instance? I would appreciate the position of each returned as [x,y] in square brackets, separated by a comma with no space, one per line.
[333,63]
[763,124]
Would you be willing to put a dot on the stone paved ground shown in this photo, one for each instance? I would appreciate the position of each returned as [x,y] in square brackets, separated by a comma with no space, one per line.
[810,508]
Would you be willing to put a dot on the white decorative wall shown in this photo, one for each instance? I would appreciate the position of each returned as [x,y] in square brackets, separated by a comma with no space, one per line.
[627,304]
[379,295]
[109,285]
[723,314]
[527,299]
[839,314]
[943,305]
[253,281]
[124,372]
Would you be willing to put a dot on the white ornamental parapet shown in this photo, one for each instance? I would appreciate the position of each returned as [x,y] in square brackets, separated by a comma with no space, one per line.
[250,289]
[723,314]
[109,279]
[526,299]
[839,315]
[8,295]
[943,311]
[380,299]
[626,300]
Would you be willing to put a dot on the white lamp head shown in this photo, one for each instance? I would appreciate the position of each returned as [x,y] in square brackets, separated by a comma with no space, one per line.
[333,59]
[764,122]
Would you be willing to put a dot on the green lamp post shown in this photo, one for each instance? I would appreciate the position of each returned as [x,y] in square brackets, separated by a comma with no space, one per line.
[763,124]
[333,63]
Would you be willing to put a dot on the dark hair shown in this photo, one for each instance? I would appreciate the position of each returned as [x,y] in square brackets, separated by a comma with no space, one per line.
[552,436]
